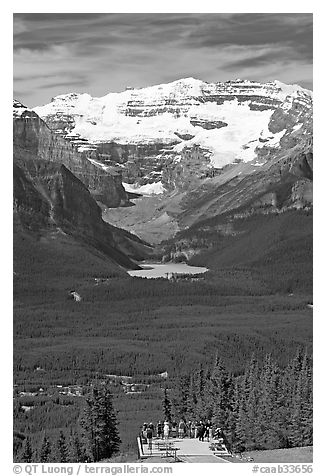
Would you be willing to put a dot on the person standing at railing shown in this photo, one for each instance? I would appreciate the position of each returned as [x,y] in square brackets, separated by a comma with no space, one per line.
[208,430]
[201,431]
[197,426]
[188,429]
[182,428]
[174,429]
[151,426]
[149,436]
[159,429]
[144,432]
[192,429]
[166,430]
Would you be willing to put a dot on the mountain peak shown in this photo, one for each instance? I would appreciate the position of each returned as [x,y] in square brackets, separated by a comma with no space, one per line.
[18,108]
[291,89]
[189,80]
[69,97]
[18,104]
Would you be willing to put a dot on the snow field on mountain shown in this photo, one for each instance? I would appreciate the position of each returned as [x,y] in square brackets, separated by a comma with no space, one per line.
[109,123]
[157,113]
[155,188]
[99,164]
[227,143]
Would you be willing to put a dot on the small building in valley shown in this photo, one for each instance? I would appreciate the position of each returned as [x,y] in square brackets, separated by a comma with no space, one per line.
[75,296]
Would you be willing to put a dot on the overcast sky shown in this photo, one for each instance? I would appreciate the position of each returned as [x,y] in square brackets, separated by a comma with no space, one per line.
[100,53]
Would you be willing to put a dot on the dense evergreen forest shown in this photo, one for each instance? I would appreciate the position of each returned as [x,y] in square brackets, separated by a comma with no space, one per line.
[264,408]
[93,437]
[273,250]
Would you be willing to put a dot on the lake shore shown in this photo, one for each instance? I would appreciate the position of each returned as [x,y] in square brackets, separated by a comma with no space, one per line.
[159,270]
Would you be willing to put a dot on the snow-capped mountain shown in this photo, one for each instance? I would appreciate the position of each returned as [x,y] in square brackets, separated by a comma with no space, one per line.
[139,129]
[200,148]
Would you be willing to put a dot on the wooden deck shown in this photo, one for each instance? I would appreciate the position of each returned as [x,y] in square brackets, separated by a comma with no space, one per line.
[187,450]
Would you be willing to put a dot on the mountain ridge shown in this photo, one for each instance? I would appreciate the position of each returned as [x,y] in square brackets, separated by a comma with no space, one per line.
[54,196]
[189,142]
[139,115]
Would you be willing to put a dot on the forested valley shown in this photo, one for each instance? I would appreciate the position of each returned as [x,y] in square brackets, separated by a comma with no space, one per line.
[256,316]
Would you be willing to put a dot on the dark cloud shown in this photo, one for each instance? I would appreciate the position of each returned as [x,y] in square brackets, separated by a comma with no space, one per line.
[98,31]
[195,31]
[18,79]
[293,30]
[54,17]
[265,58]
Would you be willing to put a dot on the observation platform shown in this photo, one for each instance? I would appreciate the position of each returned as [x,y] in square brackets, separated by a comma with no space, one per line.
[187,450]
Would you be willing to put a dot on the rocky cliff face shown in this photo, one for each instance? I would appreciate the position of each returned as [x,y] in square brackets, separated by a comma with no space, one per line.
[50,200]
[34,140]
[56,202]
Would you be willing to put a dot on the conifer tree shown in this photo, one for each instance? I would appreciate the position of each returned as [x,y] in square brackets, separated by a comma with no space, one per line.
[27,454]
[217,401]
[63,453]
[307,400]
[76,450]
[109,424]
[301,416]
[232,413]
[267,435]
[284,407]
[99,426]
[247,416]
[181,400]
[166,403]
[192,398]
[287,399]
[298,422]
[200,384]
[45,453]
[197,393]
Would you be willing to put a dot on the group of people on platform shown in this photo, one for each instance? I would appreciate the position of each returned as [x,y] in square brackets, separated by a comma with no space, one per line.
[193,429]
